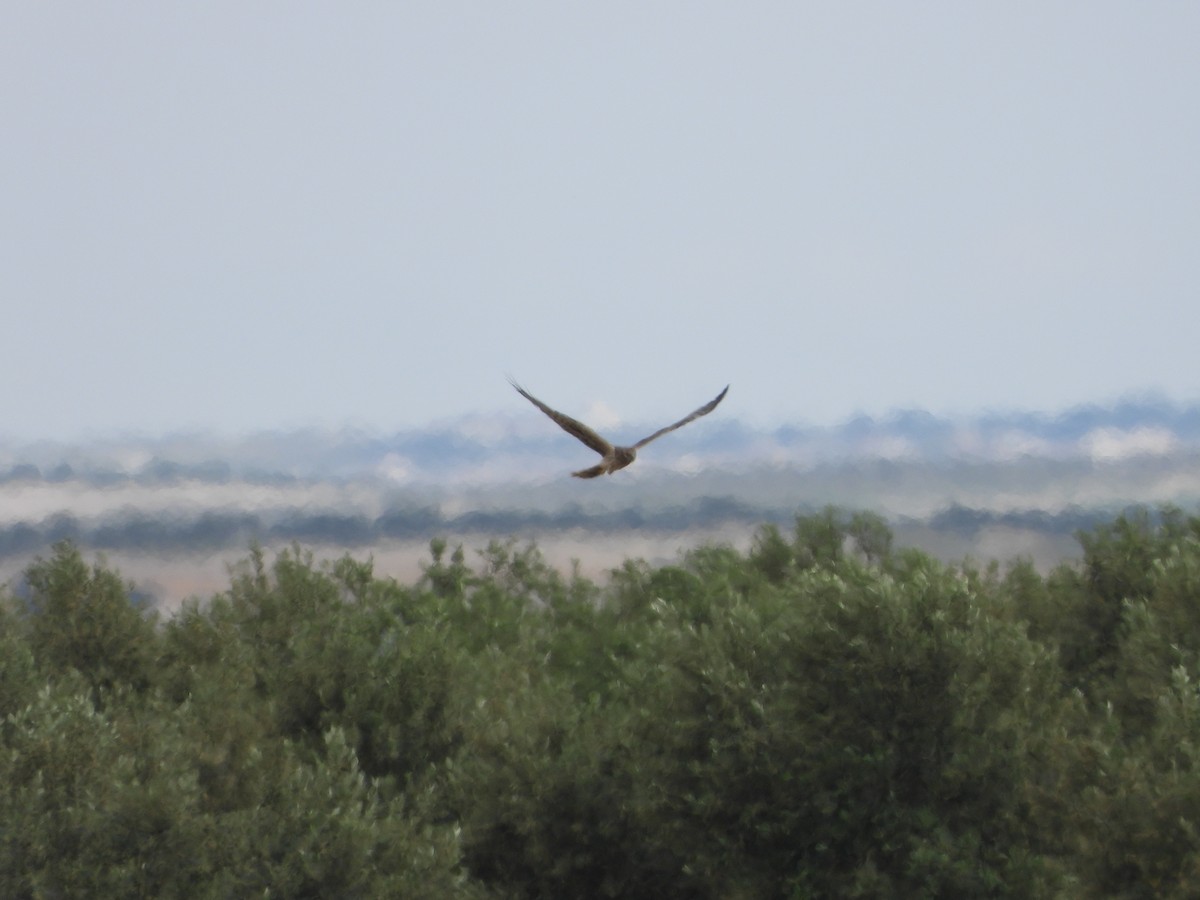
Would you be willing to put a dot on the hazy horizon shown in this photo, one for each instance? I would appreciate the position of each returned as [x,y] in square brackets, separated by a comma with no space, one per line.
[173,511]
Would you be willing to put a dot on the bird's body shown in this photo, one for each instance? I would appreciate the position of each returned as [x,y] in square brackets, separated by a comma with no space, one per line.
[613,458]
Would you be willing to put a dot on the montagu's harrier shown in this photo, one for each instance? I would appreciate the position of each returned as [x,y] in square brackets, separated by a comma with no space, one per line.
[614,458]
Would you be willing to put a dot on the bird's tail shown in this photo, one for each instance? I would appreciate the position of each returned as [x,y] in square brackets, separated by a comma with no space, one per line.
[590,473]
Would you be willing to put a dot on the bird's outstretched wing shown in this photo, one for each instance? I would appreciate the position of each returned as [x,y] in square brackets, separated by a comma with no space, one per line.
[593,472]
[702,411]
[572,426]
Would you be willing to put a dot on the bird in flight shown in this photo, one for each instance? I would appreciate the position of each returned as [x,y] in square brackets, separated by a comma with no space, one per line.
[614,458]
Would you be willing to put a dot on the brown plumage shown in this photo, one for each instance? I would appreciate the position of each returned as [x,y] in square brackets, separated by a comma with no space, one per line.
[613,457]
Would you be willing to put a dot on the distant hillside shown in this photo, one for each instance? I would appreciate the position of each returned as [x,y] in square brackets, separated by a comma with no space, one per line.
[500,448]
[944,483]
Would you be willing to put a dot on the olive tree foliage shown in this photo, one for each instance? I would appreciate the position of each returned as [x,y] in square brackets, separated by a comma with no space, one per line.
[835,731]
[1139,834]
[823,715]
[84,620]
[19,678]
[268,742]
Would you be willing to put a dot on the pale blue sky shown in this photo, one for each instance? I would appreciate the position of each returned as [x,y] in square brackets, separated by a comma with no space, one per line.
[241,216]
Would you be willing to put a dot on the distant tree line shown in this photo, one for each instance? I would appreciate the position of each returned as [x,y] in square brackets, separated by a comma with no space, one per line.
[177,532]
[966,520]
[824,715]
[156,471]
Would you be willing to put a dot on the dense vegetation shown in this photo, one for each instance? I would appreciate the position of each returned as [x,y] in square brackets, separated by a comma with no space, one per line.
[823,716]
